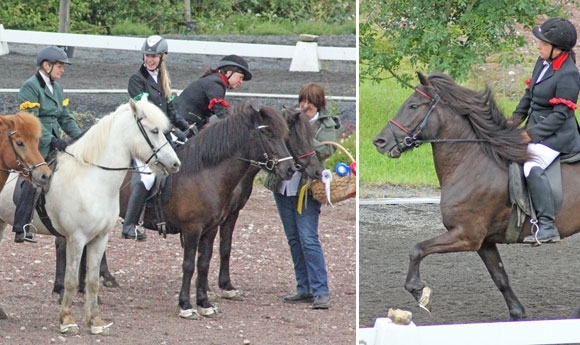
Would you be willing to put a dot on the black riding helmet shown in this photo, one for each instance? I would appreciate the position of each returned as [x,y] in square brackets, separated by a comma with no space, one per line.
[559,32]
[52,54]
[236,61]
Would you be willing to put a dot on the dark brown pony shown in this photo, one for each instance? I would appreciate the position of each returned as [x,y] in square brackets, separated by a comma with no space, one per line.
[214,163]
[472,144]
[19,136]
[301,146]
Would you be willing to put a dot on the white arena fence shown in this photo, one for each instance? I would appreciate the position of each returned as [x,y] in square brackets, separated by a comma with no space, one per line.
[305,55]
[544,332]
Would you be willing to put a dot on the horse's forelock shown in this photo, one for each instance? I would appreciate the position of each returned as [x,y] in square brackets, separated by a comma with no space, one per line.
[275,120]
[27,125]
[152,114]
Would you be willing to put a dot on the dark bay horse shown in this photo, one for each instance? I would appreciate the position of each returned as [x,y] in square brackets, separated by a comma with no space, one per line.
[300,145]
[19,136]
[214,163]
[472,146]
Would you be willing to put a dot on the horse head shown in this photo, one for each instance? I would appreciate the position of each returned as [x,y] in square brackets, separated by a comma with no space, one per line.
[410,124]
[152,123]
[301,142]
[19,151]
[272,133]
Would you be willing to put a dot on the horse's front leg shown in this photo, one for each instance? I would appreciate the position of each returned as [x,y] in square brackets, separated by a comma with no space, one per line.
[190,240]
[226,235]
[492,260]
[71,282]
[454,240]
[205,252]
[94,254]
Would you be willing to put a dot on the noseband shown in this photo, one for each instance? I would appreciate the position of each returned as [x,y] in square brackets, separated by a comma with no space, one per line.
[24,168]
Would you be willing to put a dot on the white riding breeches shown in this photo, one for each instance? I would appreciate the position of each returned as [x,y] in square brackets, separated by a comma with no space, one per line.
[147,176]
[541,156]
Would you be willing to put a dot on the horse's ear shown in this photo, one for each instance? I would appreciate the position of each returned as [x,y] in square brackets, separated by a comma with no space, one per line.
[423,79]
[133,105]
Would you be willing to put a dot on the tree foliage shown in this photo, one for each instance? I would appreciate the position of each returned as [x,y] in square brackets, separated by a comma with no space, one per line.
[163,16]
[451,36]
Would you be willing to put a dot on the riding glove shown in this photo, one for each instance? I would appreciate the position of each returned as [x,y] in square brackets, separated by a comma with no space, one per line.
[58,144]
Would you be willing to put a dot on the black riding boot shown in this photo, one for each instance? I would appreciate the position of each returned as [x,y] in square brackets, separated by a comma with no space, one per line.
[134,209]
[543,203]
[23,214]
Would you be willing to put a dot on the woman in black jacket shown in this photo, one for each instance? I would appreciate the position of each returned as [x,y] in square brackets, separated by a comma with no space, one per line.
[549,104]
[153,80]
[205,98]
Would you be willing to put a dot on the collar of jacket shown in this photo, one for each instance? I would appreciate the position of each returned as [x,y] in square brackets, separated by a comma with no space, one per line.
[224,79]
[559,60]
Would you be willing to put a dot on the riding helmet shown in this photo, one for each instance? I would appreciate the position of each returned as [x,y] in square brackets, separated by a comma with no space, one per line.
[236,61]
[154,45]
[52,54]
[559,32]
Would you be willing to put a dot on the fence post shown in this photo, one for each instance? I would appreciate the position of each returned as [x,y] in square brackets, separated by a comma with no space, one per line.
[306,55]
[3,44]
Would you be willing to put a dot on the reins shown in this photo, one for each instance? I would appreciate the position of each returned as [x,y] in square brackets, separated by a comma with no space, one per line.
[132,167]
[411,140]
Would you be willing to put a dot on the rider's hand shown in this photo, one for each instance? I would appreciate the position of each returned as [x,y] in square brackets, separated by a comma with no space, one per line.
[58,144]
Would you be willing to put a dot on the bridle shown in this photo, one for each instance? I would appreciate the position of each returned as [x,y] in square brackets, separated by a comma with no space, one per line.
[269,163]
[23,168]
[151,146]
[308,155]
[411,140]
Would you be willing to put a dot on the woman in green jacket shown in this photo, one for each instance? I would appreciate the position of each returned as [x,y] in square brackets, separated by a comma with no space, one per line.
[43,96]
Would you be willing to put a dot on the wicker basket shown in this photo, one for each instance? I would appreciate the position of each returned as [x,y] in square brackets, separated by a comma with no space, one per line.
[341,188]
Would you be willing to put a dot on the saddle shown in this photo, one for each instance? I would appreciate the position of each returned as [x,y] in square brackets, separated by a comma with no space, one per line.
[520,198]
[153,217]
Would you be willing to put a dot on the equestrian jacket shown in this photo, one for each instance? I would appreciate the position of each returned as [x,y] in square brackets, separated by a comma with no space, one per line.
[203,98]
[51,108]
[141,81]
[549,105]
[325,128]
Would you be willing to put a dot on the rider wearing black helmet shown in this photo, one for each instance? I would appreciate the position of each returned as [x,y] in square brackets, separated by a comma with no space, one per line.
[152,79]
[549,104]
[43,96]
[204,97]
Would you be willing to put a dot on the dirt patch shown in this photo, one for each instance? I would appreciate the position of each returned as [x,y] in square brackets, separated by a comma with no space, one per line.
[145,310]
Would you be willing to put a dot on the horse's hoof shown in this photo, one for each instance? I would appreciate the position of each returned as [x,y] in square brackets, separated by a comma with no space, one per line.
[234,295]
[111,283]
[211,296]
[102,330]
[212,312]
[190,314]
[425,300]
[71,328]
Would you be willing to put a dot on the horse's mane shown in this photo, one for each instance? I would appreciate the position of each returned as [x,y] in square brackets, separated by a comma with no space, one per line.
[220,140]
[503,142]
[27,125]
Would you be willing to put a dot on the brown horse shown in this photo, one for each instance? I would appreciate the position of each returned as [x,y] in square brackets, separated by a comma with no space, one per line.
[19,149]
[472,144]
[300,145]
[214,162]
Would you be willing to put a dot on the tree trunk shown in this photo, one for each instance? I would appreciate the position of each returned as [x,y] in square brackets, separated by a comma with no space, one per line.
[187,11]
[64,16]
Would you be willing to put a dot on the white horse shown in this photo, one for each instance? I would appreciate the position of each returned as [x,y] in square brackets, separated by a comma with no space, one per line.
[83,199]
